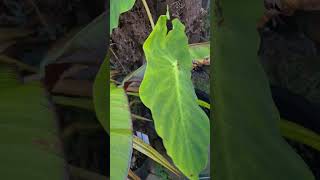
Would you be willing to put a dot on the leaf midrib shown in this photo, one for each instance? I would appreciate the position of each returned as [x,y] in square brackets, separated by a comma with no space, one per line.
[177,84]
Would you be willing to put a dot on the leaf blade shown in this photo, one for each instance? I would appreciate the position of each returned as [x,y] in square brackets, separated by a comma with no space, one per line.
[120,134]
[245,117]
[178,115]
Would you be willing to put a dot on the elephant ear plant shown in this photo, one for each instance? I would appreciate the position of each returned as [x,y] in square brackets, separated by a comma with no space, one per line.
[192,150]
[167,90]
[247,128]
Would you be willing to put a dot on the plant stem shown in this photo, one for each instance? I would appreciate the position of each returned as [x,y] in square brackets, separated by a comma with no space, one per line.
[149,13]
[140,118]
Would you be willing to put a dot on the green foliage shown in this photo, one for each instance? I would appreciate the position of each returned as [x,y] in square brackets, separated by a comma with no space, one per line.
[248,144]
[28,131]
[198,51]
[100,95]
[120,134]
[101,82]
[120,119]
[117,7]
[168,92]
[292,131]
[149,151]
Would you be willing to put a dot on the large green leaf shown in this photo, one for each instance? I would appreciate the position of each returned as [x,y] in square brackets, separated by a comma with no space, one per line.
[120,134]
[28,131]
[247,141]
[117,7]
[168,92]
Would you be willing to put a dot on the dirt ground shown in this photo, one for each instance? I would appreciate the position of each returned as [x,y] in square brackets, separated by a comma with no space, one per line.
[134,28]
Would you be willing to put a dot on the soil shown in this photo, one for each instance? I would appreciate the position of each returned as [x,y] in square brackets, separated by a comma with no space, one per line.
[134,28]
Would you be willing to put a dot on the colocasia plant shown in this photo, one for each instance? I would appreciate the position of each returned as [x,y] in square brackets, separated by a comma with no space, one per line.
[247,128]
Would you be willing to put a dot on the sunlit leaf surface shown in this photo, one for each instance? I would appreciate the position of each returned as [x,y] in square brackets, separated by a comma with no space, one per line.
[168,92]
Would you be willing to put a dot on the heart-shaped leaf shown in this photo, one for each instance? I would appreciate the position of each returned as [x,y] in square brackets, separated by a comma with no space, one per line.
[167,90]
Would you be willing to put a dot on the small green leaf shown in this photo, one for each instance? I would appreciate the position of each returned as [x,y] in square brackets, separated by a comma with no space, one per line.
[168,92]
[120,134]
[199,51]
[117,7]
